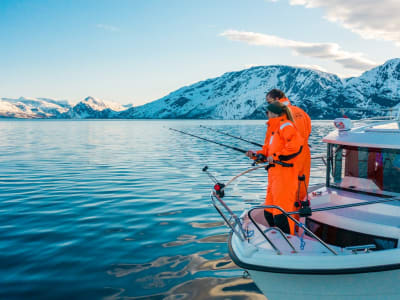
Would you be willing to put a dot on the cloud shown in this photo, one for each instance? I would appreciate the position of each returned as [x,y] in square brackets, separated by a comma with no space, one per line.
[107,27]
[313,67]
[330,51]
[370,19]
[248,66]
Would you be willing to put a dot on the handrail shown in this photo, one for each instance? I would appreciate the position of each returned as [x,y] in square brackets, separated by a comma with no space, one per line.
[243,235]
[298,224]
[265,236]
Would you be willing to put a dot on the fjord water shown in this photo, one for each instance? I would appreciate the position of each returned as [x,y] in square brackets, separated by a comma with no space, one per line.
[114,209]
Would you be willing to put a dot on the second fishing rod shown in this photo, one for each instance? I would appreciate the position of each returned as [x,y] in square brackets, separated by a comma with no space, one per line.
[316,156]
[232,136]
[259,158]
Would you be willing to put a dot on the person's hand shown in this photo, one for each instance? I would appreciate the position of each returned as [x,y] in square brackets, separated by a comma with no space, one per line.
[250,153]
[270,159]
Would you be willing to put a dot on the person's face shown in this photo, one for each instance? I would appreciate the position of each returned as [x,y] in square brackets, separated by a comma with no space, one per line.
[270,100]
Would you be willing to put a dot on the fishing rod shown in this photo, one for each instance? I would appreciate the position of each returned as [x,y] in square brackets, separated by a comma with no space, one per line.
[259,158]
[322,157]
[235,137]
[207,140]
[219,187]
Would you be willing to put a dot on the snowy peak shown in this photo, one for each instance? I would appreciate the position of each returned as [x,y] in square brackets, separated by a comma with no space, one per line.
[90,107]
[238,95]
[97,104]
[93,108]
[241,95]
[32,107]
[379,86]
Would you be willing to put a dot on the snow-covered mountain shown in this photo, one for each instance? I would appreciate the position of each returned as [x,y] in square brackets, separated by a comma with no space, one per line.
[241,95]
[94,108]
[32,107]
[47,108]
[238,95]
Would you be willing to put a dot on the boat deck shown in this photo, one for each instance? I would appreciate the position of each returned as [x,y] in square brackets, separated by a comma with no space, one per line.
[372,219]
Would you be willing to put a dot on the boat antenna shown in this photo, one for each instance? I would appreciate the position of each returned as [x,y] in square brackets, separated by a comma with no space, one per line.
[235,137]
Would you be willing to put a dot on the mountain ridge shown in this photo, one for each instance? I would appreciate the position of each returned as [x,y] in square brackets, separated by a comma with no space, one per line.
[237,95]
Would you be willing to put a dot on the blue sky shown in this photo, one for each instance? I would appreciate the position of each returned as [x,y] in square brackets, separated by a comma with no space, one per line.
[138,51]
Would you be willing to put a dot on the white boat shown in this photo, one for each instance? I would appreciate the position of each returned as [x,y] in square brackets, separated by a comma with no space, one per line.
[349,247]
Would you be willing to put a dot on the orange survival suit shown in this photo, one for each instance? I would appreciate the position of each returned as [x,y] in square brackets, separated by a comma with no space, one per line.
[282,142]
[303,125]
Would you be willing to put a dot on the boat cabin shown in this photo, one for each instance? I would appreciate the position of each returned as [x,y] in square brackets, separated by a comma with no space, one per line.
[366,159]
[363,165]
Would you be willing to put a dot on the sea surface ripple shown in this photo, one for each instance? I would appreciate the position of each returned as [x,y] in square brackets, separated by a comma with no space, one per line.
[118,209]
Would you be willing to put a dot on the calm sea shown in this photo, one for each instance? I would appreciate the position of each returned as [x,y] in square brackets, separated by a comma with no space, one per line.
[121,209]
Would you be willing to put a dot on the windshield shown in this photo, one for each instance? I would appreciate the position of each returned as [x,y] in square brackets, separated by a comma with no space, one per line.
[365,169]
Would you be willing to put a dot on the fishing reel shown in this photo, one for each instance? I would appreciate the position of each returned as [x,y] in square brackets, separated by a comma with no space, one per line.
[218,187]
[305,209]
[259,158]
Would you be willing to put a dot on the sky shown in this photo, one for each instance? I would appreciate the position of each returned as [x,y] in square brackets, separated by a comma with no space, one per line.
[137,51]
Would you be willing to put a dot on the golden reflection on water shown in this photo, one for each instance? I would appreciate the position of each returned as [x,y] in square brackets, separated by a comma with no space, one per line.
[215,288]
[207,225]
[194,263]
[169,213]
[185,239]
[160,273]
[204,288]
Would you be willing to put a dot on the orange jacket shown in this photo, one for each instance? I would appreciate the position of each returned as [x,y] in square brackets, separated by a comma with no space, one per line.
[301,119]
[281,139]
[303,124]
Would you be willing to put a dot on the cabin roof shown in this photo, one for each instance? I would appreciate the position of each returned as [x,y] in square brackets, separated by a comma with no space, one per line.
[380,134]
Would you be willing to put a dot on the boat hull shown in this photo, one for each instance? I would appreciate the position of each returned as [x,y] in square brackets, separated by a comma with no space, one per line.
[280,277]
[376,285]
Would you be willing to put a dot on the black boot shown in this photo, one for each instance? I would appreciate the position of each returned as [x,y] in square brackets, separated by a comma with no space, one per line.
[269,217]
[281,221]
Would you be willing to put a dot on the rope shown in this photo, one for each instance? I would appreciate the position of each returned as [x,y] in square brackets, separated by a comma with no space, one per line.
[302,242]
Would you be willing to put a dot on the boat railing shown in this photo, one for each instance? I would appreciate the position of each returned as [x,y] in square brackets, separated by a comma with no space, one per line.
[263,233]
[236,225]
[299,224]
[233,221]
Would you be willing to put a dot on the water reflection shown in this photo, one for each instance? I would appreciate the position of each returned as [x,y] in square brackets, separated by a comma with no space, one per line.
[204,288]
[121,209]
[206,225]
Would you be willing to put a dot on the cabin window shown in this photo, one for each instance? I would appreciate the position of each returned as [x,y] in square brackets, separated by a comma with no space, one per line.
[365,169]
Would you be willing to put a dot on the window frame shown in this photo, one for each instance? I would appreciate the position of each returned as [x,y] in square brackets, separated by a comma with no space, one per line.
[331,167]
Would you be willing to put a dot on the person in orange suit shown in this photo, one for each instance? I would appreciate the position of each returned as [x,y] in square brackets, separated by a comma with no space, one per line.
[303,124]
[282,143]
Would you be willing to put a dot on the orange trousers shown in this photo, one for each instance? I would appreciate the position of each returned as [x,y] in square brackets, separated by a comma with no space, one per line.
[304,166]
[282,190]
